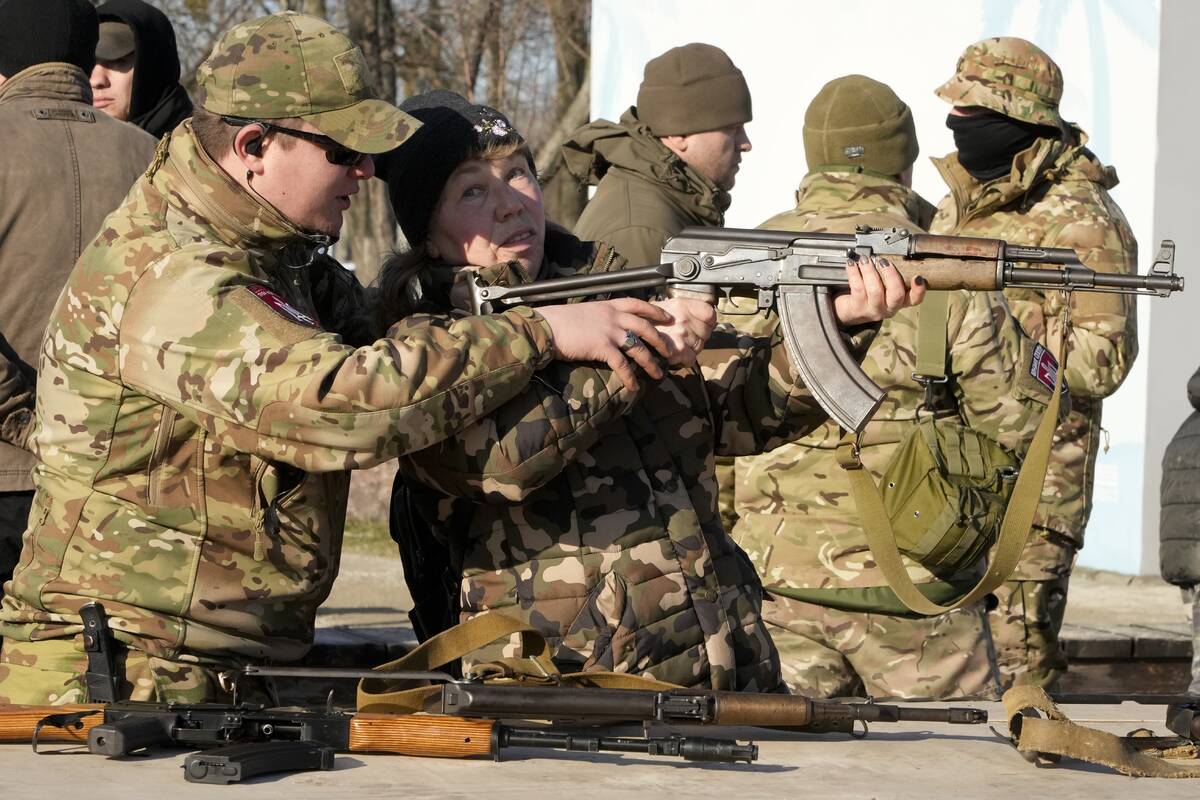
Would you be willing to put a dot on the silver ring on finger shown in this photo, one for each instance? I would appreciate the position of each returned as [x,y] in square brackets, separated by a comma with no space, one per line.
[632,340]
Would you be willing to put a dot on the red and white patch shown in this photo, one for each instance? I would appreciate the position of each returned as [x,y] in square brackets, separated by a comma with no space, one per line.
[282,307]
[1044,367]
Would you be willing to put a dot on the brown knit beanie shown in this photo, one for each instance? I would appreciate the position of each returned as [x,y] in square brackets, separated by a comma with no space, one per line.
[858,122]
[690,89]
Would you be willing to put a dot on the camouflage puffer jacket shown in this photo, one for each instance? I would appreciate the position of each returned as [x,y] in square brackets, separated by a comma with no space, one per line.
[795,516]
[196,424]
[592,514]
[645,194]
[1057,196]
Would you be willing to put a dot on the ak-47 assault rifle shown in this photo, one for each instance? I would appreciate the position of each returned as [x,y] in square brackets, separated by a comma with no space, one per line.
[588,705]
[237,741]
[796,274]
[240,740]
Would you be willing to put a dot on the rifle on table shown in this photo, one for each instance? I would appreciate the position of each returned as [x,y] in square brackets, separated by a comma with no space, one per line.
[796,274]
[252,739]
[471,698]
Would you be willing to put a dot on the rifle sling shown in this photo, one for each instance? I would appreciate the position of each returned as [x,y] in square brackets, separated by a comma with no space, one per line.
[1052,735]
[535,665]
[1014,531]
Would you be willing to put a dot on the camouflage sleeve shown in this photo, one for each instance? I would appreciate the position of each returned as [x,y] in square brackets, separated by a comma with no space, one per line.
[1001,392]
[529,440]
[1103,327]
[261,377]
[17,389]
[758,401]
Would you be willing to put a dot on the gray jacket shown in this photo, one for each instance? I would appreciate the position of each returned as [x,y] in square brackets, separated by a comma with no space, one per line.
[1179,525]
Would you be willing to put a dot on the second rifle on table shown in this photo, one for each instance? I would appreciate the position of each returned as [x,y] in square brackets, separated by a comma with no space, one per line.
[471,698]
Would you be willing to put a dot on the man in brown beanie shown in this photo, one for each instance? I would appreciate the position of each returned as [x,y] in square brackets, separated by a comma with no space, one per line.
[839,629]
[50,207]
[671,160]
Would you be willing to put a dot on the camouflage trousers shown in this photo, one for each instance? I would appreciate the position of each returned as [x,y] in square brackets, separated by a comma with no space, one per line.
[830,653]
[51,672]
[1029,613]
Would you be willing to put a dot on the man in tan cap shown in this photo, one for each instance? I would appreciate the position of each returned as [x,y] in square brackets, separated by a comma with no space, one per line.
[840,631]
[1022,173]
[197,419]
[671,160]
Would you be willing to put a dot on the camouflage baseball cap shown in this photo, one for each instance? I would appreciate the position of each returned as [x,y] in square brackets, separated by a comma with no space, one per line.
[1008,75]
[293,65]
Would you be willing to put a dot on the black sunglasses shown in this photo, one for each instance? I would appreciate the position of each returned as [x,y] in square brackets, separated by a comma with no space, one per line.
[335,153]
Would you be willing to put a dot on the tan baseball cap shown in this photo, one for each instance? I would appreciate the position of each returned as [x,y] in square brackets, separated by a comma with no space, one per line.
[293,65]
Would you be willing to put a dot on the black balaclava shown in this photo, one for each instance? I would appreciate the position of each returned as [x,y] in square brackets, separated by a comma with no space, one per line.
[452,129]
[987,141]
[45,31]
[159,103]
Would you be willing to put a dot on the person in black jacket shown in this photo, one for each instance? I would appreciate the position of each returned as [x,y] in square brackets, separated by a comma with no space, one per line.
[136,77]
[1179,525]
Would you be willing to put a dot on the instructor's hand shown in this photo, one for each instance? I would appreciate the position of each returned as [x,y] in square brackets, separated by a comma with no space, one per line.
[877,291]
[599,331]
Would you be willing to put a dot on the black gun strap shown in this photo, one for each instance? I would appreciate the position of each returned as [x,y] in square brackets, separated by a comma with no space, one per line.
[101,678]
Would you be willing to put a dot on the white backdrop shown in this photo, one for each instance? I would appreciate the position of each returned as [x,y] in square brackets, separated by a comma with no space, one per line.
[1109,53]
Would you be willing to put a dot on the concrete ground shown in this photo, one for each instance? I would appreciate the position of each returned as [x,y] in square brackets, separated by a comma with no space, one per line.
[1108,598]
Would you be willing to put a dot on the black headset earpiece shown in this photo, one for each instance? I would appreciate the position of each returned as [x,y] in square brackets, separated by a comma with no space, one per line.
[255,145]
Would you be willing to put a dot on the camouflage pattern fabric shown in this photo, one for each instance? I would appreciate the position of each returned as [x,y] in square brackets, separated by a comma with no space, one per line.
[1057,196]
[1025,626]
[1009,75]
[795,517]
[196,425]
[592,514]
[51,672]
[645,194]
[293,65]
[830,653]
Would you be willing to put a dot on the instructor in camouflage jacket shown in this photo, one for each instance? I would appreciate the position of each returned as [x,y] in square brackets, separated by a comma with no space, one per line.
[196,423]
[671,160]
[1023,174]
[579,507]
[795,516]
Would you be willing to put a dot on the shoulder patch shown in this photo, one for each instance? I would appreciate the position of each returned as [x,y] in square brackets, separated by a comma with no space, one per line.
[282,307]
[1043,366]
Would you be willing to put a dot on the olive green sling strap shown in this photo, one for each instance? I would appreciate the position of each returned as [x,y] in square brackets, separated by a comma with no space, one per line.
[1018,516]
[1041,732]
[534,665]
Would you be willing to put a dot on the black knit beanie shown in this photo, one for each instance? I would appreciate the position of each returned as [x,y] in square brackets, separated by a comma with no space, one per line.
[452,131]
[44,31]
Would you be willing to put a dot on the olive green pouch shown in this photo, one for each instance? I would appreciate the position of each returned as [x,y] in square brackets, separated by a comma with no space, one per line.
[945,491]
[949,493]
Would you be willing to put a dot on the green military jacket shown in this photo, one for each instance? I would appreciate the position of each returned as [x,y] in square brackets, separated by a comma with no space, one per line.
[592,514]
[197,424]
[645,194]
[795,517]
[1057,196]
